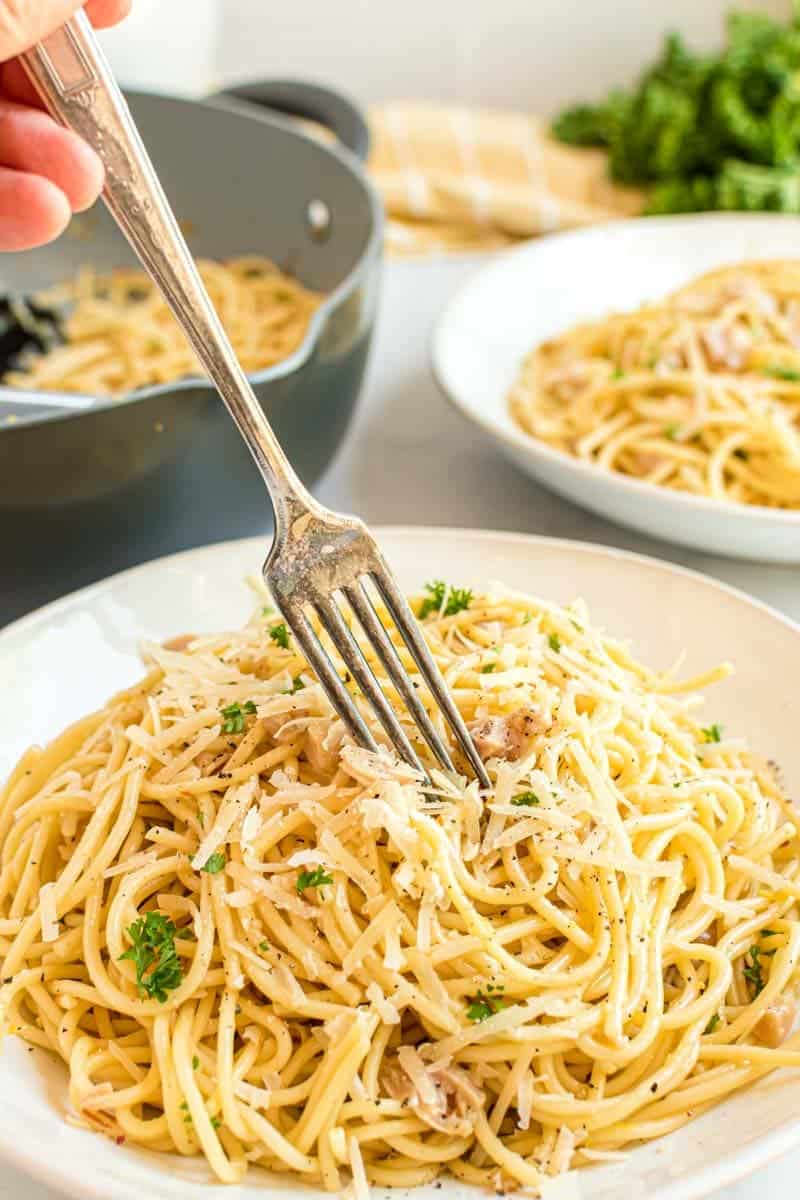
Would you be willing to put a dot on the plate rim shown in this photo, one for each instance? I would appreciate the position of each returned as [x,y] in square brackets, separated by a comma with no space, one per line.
[60,1176]
[518,439]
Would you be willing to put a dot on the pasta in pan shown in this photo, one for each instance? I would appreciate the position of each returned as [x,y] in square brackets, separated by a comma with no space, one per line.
[699,393]
[119,334]
[249,939]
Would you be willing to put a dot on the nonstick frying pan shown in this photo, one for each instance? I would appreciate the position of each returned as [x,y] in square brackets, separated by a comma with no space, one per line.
[242,180]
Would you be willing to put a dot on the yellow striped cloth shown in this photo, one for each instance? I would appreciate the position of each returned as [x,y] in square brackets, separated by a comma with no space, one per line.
[456,178]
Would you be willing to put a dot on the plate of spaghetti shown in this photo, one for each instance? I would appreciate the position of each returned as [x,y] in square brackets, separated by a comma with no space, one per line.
[238,949]
[648,370]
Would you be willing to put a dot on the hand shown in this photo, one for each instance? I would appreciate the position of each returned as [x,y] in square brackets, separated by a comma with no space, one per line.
[46,173]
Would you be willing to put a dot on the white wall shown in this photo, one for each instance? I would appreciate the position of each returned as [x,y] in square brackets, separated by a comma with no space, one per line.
[534,53]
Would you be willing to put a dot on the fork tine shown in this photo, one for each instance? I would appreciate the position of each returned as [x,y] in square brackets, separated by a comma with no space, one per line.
[350,651]
[317,658]
[382,643]
[406,623]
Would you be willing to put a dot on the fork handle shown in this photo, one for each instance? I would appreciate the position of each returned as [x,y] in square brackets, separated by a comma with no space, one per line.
[70,73]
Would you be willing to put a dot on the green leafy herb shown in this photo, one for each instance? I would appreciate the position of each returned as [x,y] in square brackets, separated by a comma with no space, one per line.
[526,620]
[215,1122]
[753,971]
[719,131]
[713,733]
[267,610]
[484,1005]
[778,371]
[554,642]
[215,863]
[297,686]
[312,879]
[263,945]
[458,599]
[153,953]
[489,669]
[671,431]
[575,625]
[280,635]
[526,800]
[195,1062]
[618,373]
[235,714]
[713,1023]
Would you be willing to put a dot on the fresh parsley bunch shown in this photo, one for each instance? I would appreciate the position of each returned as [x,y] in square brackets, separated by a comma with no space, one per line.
[707,132]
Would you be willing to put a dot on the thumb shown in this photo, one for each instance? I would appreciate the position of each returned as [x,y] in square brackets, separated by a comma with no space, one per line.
[25,22]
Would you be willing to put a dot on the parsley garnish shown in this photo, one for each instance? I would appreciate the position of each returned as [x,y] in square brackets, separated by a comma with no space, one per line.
[312,879]
[778,371]
[297,686]
[489,669]
[280,635]
[753,971]
[263,945]
[195,1062]
[671,431]
[526,800]
[458,599]
[713,1023]
[554,642]
[235,714]
[214,864]
[215,1122]
[158,970]
[482,1006]
[713,733]
[618,373]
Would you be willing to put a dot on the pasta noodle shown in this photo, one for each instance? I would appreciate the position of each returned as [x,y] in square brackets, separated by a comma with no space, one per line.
[120,336]
[248,938]
[699,393]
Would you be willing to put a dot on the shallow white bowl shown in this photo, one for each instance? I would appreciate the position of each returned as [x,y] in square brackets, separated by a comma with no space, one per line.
[66,659]
[529,294]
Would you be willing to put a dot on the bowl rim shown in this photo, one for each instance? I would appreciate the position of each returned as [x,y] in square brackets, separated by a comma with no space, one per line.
[515,438]
[370,251]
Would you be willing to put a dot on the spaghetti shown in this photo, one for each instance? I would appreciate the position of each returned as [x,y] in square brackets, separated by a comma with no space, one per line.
[120,336]
[249,939]
[699,393]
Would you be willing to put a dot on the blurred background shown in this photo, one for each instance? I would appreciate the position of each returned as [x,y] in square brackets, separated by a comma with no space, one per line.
[451,50]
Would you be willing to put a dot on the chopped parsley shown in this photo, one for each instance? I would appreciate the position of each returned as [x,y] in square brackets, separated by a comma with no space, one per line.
[526,800]
[280,635]
[458,599]
[297,686]
[483,1005]
[195,1062]
[214,864]
[712,1024]
[618,373]
[215,1122]
[235,714]
[671,431]
[489,669]
[575,625]
[713,733]
[779,371]
[554,642]
[312,879]
[153,952]
[753,971]
[263,945]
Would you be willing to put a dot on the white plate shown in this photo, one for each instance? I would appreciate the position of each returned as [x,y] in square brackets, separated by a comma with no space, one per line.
[529,294]
[63,661]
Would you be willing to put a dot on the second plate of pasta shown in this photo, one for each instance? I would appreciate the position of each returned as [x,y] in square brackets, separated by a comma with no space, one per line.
[649,371]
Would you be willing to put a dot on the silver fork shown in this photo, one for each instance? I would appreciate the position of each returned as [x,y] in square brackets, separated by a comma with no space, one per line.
[317,555]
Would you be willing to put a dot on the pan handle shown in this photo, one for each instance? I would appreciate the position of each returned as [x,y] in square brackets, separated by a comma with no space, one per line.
[311,101]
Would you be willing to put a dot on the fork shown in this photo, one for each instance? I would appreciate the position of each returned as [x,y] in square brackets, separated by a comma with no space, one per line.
[319,558]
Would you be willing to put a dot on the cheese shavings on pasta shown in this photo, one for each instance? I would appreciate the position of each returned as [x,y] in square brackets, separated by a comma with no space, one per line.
[250,939]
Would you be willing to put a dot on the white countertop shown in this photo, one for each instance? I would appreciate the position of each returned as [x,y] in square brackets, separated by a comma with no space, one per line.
[411,460]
